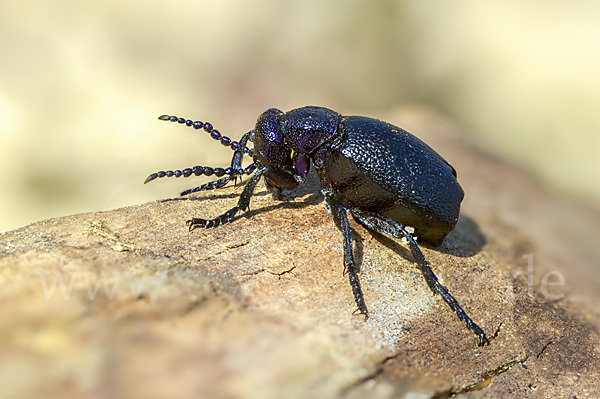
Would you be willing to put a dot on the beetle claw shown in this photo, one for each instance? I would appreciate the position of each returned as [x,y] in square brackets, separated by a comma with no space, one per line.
[362,312]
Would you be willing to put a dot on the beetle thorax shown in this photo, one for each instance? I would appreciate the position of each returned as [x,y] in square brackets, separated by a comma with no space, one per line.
[286,142]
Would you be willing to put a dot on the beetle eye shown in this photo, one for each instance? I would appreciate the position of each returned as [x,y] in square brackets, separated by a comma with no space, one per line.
[269,139]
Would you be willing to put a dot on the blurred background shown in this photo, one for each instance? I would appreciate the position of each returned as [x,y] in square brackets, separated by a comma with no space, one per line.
[82,83]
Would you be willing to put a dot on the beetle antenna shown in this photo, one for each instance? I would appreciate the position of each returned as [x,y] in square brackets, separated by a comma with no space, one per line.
[221,182]
[202,170]
[214,133]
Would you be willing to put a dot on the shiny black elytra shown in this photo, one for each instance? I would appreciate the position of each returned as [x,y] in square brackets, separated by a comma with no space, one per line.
[387,178]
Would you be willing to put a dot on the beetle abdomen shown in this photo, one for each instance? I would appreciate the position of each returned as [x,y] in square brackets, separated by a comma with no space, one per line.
[382,168]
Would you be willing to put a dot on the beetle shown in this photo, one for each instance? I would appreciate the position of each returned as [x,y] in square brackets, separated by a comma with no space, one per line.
[389,180]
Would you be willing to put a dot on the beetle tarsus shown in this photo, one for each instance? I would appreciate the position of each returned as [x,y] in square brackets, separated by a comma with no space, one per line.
[228,216]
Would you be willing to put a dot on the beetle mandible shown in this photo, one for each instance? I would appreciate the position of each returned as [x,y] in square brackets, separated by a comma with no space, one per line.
[384,176]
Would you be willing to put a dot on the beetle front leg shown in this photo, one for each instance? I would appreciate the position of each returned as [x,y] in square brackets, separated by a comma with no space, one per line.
[381,224]
[242,205]
[340,216]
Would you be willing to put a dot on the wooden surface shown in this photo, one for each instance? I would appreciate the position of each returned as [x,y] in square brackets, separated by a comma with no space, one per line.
[128,304]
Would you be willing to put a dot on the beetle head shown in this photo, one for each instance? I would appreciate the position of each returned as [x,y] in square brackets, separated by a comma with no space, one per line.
[272,149]
[287,142]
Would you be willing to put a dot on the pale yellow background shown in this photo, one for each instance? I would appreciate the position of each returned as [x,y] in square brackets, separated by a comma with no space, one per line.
[82,82]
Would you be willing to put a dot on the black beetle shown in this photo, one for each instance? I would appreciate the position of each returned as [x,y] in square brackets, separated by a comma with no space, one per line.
[387,178]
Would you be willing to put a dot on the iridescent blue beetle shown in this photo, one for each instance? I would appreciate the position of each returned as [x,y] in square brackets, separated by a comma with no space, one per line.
[384,176]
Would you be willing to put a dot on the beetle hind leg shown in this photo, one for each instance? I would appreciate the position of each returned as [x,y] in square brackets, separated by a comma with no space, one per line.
[381,224]
[340,215]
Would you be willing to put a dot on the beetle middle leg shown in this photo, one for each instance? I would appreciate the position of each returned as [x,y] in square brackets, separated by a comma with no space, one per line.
[381,224]
[340,216]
